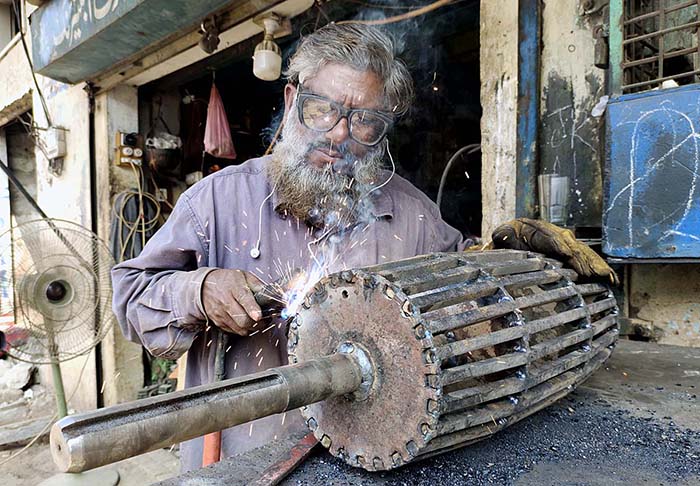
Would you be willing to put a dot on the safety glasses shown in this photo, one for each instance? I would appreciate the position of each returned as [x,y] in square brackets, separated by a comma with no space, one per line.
[320,114]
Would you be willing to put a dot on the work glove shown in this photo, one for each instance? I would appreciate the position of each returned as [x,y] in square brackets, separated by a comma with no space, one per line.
[229,301]
[555,242]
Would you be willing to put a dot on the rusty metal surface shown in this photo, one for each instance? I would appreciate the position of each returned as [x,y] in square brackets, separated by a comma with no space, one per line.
[279,470]
[249,468]
[462,345]
[411,358]
[366,310]
[88,440]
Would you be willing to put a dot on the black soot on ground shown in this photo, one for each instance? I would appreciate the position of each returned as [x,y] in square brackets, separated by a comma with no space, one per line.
[580,440]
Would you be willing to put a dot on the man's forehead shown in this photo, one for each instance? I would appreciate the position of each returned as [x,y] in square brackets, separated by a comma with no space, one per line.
[349,86]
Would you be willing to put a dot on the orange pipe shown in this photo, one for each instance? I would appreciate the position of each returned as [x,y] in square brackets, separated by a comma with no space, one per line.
[211,452]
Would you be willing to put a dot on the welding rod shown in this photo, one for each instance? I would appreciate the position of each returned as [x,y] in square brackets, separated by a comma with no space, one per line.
[85,441]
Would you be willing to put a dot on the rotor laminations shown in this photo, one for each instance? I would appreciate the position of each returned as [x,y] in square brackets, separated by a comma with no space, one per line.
[458,347]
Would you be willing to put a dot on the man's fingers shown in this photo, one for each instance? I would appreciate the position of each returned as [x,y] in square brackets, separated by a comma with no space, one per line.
[242,315]
[238,319]
[253,282]
[224,321]
[245,298]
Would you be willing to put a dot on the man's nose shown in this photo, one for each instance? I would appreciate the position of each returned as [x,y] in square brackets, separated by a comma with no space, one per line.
[340,133]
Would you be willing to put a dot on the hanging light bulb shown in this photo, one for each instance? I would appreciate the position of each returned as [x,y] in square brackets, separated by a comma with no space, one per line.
[267,59]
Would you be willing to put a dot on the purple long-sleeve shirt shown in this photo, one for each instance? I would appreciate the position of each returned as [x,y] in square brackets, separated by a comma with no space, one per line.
[215,224]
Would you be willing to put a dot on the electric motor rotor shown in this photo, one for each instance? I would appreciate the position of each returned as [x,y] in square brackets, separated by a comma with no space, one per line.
[453,347]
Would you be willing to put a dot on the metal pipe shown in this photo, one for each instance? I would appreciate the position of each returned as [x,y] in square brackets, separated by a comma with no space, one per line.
[100,437]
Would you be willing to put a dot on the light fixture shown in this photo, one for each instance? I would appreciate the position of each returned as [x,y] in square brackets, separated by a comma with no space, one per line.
[267,59]
[209,42]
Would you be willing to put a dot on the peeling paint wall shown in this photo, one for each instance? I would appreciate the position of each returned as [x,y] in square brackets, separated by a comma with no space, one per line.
[663,299]
[68,197]
[115,110]
[499,68]
[571,86]
[15,84]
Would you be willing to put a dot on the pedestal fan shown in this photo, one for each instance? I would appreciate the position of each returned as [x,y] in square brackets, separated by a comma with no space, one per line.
[56,283]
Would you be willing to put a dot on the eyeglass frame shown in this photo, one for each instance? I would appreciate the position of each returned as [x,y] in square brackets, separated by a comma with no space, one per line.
[344,113]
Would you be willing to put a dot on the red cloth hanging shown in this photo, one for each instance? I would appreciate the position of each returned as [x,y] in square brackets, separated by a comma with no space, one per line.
[217,134]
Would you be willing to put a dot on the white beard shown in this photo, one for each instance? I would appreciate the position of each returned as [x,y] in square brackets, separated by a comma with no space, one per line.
[332,196]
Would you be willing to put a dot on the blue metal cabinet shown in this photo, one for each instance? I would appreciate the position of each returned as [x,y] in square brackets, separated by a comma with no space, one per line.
[652,184]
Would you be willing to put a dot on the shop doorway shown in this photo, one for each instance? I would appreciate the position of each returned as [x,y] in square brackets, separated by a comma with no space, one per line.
[441,49]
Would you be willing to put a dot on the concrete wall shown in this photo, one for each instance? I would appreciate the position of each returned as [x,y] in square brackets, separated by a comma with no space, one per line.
[67,196]
[571,86]
[16,83]
[663,300]
[664,303]
[499,73]
[20,157]
[5,24]
[115,110]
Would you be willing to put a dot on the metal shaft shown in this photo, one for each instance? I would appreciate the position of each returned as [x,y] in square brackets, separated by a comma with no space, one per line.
[93,439]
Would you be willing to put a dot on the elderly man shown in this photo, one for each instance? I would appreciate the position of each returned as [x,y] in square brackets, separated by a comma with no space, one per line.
[321,202]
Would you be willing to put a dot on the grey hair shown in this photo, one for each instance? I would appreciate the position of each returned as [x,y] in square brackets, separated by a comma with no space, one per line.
[361,47]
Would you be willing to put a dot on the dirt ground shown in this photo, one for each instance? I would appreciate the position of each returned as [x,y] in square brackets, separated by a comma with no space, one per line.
[635,422]
[36,465]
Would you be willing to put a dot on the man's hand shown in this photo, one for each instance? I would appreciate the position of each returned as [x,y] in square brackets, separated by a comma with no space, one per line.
[555,242]
[227,297]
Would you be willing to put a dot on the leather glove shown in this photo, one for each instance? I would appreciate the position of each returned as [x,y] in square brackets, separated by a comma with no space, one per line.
[229,301]
[555,242]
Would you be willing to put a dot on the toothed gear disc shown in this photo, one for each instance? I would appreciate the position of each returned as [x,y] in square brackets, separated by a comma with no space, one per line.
[386,429]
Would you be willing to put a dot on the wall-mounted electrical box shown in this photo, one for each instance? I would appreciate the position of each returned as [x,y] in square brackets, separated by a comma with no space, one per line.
[54,141]
[129,149]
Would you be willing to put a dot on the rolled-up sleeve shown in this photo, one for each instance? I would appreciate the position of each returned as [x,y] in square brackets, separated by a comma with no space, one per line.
[158,295]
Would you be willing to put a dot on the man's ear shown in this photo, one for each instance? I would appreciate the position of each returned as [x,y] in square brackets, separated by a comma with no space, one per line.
[290,91]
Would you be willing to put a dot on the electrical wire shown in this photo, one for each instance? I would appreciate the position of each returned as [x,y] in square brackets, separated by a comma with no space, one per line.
[255,251]
[31,128]
[384,6]
[121,202]
[398,18]
[470,149]
[157,189]
[31,65]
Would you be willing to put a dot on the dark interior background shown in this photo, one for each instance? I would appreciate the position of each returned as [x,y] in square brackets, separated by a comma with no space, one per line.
[441,49]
